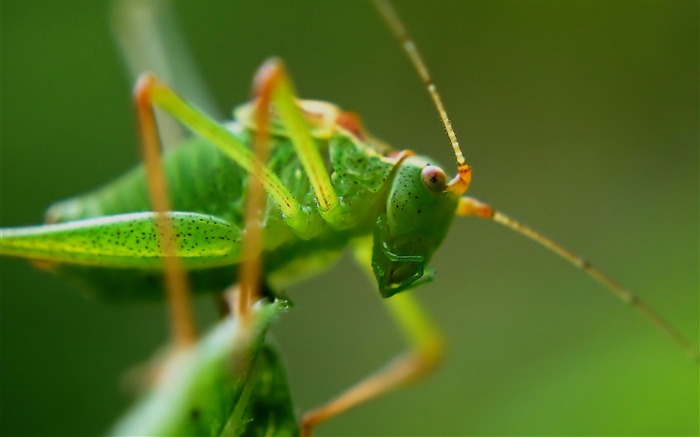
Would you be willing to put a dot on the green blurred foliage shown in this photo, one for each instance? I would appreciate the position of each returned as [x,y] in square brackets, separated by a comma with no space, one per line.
[230,383]
[579,118]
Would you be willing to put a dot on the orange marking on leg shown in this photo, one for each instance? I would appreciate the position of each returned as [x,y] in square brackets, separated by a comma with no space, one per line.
[175,279]
[403,370]
[251,271]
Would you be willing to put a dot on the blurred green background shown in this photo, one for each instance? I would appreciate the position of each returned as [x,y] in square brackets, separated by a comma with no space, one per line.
[579,118]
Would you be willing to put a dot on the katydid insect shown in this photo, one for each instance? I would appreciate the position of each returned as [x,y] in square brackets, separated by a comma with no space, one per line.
[450,299]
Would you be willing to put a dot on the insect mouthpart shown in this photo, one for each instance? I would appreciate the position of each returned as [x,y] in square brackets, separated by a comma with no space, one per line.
[403,276]
[402,272]
[399,263]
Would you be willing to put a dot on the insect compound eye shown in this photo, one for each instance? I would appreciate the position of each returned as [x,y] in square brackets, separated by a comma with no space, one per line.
[434,178]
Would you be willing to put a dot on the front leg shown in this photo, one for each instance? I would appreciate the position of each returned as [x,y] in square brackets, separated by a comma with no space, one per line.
[272,84]
[151,92]
[425,352]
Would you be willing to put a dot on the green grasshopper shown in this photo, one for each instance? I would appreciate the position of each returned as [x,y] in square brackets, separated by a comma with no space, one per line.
[393,276]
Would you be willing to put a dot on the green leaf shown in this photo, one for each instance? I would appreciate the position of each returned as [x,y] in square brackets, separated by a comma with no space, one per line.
[268,410]
[229,383]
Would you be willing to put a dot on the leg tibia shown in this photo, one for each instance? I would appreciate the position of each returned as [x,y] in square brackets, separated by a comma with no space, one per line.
[273,84]
[151,92]
[426,349]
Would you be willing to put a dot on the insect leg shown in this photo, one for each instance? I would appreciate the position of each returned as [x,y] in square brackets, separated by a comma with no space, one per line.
[150,39]
[250,270]
[469,206]
[272,82]
[181,316]
[154,93]
[426,350]
[130,240]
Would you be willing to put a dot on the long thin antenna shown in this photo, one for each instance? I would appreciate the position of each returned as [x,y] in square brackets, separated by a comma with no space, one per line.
[461,182]
[472,207]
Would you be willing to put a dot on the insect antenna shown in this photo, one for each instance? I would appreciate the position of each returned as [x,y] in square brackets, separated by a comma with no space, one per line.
[460,183]
[472,207]
[469,206]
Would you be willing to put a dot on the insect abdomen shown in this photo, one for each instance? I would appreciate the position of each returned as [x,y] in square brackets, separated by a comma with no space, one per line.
[200,179]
